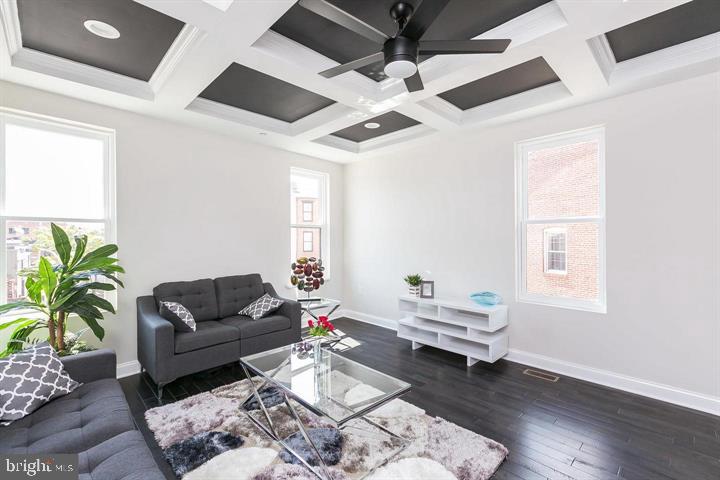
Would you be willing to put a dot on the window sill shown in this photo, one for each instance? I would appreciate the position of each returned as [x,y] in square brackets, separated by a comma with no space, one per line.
[565,303]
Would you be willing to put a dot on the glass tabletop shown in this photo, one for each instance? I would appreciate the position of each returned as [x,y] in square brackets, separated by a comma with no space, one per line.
[324,382]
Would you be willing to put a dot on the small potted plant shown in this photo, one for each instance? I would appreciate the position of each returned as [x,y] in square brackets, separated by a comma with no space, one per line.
[413,282]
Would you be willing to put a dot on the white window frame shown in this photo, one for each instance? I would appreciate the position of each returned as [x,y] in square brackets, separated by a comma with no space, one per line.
[547,234]
[522,149]
[106,135]
[321,221]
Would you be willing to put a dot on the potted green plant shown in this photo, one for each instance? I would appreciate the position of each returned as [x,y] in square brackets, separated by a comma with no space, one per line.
[413,282]
[55,292]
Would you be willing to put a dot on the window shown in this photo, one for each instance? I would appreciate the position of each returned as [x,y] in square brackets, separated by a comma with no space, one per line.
[561,220]
[555,252]
[309,230]
[50,171]
[308,242]
[307,211]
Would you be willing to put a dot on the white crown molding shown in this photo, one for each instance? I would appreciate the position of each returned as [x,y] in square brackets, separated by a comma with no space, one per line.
[238,115]
[10,21]
[658,391]
[340,143]
[410,133]
[604,56]
[693,52]
[441,107]
[289,51]
[186,39]
[515,103]
[330,119]
[78,72]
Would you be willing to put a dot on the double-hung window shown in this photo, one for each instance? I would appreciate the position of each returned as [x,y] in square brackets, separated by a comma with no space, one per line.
[50,171]
[561,220]
[309,232]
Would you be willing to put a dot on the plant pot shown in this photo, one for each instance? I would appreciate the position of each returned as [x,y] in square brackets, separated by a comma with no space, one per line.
[414,291]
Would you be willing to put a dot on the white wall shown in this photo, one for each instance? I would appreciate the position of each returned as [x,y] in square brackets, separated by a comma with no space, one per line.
[448,207]
[192,204]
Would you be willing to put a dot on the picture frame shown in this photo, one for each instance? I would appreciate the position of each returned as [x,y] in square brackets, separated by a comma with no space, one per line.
[427,289]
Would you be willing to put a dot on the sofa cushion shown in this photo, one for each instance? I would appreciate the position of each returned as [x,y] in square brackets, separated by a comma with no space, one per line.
[197,296]
[249,328]
[236,292]
[208,334]
[262,307]
[91,414]
[123,457]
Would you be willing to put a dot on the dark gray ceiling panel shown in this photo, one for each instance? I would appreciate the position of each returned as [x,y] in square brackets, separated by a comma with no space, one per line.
[243,87]
[674,26]
[520,78]
[461,20]
[56,27]
[389,122]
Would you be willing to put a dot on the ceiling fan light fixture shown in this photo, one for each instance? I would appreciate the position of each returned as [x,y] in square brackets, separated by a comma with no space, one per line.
[400,69]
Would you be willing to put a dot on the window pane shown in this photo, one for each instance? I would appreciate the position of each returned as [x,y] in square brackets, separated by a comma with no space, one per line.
[27,241]
[50,174]
[305,242]
[579,259]
[305,195]
[564,181]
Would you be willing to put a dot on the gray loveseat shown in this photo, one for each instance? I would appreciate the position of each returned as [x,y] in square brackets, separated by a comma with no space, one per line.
[93,421]
[222,336]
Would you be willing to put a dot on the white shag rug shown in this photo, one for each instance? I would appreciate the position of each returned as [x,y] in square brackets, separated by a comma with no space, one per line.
[208,437]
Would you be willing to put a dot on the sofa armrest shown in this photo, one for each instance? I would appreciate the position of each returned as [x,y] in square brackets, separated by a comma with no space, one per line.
[290,309]
[156,340]
[90,366]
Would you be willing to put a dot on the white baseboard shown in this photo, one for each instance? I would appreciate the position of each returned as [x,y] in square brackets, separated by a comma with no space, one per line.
[658,391]
[128,368]
[372,319]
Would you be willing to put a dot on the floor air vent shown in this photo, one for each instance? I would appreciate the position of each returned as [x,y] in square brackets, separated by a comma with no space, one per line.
[541,375]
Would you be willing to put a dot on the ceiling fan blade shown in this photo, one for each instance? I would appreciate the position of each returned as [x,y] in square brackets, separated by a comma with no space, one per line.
[414,83]
[424,15]
[452,47]
[334,14]
[355,64]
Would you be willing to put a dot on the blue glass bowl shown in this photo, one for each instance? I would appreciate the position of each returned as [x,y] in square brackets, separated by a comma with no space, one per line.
[486,298]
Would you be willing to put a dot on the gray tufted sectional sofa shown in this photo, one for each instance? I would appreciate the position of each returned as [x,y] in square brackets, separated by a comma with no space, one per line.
[222,336]
[93,421]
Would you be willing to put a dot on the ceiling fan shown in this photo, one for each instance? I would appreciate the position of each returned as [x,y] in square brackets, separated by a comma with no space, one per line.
[400,53]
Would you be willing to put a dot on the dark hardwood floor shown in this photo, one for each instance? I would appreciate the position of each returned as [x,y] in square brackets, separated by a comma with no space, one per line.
[570,429]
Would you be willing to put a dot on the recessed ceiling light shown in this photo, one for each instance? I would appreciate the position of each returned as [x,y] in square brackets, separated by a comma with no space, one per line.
[102,29]
[372,125]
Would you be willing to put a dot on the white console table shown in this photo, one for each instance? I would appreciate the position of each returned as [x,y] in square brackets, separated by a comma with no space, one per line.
[460,326]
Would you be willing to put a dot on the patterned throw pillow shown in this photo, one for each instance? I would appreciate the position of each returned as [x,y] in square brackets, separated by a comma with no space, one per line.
[178,315]
[29,379]
[261,307]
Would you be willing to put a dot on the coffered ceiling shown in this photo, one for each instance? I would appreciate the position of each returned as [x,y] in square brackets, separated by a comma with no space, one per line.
[250,69]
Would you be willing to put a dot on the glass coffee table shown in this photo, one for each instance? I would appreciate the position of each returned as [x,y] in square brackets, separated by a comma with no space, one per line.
[304,373]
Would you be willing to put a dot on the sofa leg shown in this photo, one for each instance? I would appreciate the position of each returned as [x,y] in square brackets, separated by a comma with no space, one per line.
[160,387]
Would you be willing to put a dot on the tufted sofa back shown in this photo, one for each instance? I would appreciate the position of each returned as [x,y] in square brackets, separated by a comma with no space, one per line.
[236,292]
[197,296]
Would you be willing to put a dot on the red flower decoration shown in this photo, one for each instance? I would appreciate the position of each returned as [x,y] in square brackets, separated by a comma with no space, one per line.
[310,324]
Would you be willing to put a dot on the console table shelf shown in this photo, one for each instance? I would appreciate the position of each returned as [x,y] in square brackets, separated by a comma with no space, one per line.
[459,326]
